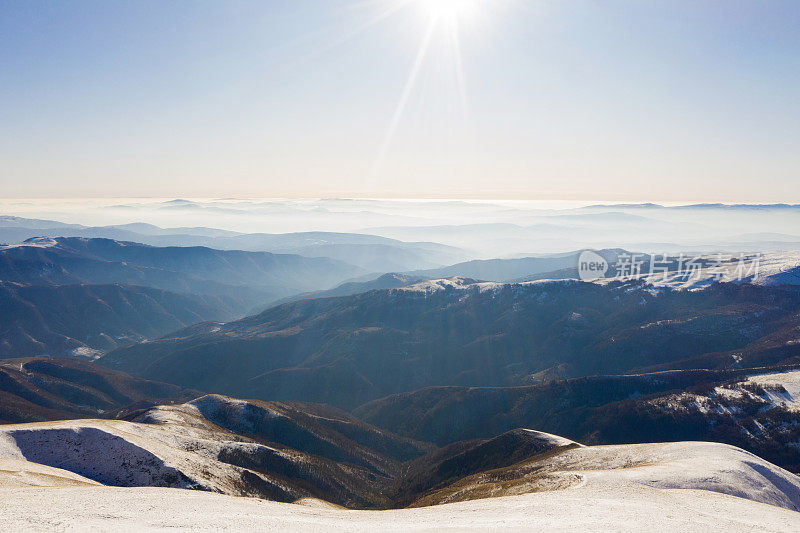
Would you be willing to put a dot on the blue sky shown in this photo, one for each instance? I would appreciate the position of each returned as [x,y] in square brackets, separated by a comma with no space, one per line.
[627,100]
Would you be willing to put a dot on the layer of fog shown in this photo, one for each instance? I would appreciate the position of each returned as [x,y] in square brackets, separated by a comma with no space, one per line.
[484,228]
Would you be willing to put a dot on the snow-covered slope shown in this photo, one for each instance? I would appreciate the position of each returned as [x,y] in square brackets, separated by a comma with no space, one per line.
[22,473]
[781,388]
[682,465]
[124,454]
[776,268]
[632,508]
[269,450]
[49,475]
[34,242]
[697,272]
[459,283]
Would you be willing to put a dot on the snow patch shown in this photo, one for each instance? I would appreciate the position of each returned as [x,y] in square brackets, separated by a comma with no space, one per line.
[789,381]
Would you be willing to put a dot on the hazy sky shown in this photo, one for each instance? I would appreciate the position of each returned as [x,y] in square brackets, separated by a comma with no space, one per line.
[536,99]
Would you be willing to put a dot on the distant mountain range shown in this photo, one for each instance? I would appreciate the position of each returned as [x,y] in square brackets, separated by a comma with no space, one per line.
[696,206]
[252,277]
[549,266]
[76,296]
[391,280]
[349,350]
[85,321]
[369,252]
[514,269]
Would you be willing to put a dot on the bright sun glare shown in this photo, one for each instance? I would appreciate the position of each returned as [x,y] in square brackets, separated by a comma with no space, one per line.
[444,18]
[449,9]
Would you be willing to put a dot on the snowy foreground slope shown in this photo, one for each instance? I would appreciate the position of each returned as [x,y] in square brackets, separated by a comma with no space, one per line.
[187,447]
[578,509]
[56,475]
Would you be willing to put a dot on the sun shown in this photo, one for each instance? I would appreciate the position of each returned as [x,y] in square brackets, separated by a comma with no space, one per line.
[444,21]
[449,9]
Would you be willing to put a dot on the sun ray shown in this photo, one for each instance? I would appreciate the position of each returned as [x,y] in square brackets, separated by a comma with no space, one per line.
[401,104]
[462,91]
[375,19]
[444,17]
